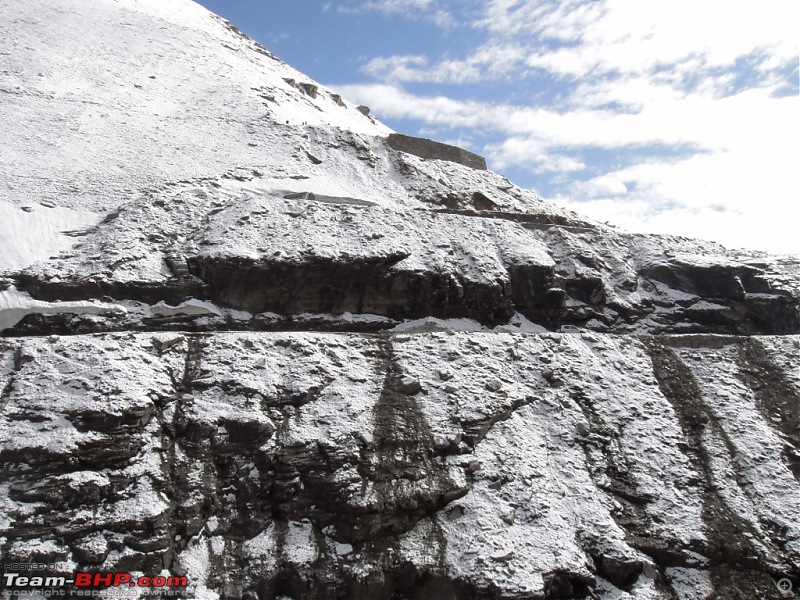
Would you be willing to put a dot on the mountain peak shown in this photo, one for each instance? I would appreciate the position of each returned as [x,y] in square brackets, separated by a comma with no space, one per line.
[123,95]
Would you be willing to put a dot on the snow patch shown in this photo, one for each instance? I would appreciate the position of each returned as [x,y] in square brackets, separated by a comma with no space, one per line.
[519,324]
[15,306]
[431,324]
[363,318]
[190,307]
[34,233]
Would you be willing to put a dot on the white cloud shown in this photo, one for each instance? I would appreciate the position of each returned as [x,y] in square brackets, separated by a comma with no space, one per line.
[487,62]
[395,6]
[744,193]
[693,88]
[564,21]
[533,153]
[397,68]
[415,68]
[693,121]
[410,9]
[589,39]
[631,36]
[390,101]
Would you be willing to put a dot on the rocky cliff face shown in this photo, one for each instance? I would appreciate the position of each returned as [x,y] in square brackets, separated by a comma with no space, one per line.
[248,340]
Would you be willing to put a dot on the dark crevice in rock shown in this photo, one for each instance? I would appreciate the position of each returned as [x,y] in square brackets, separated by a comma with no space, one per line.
[738,568]
[482,202]
[536,295]
[211,465]
[599,435]
[19,360]
[610,471]
[566,586]
[476,431]
[778,400]
[113,423]
[172,291]
[753,306]
[174,471]
[711,281]
[400,466]
[372,286]
[196,344]
[529,220]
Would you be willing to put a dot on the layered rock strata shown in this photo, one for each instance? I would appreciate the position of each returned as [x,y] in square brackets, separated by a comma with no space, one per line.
[250,339]
[424,465]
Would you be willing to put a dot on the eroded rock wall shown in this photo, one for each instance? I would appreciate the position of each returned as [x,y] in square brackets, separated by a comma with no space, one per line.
[252,337]
[441,465]
[260,257]
[425,148]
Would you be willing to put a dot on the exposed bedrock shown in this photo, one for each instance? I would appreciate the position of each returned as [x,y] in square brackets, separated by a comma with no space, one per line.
[733,544]
[375,287]
[709,280]
[267,254]
[273,347]
[442,465]
[172,291]
[754,306]
[430,149]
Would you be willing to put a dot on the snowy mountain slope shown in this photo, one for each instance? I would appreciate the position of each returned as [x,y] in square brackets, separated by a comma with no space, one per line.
[249,341]
[160,151]
[124,95]
[159,92]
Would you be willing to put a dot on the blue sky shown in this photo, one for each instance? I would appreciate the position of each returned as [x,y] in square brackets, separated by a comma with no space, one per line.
[675,117]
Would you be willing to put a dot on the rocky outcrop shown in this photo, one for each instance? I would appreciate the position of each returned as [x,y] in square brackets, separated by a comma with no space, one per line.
[425,148]
[426,465]
[284,354]
[285,255]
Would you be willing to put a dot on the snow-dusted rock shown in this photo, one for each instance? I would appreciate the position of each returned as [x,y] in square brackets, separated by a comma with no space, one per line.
[677,468]
[250,339]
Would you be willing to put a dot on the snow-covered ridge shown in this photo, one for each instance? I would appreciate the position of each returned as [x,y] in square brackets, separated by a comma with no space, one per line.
[122,95]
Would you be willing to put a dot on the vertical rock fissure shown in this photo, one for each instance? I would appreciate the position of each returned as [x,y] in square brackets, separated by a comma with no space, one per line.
[17,366]
[181,519]
[777,399]
[610,472]
[196,344]
[737,568]
[403,470]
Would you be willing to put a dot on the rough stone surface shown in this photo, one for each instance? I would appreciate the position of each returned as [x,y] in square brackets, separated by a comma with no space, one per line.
[246,341]
[425,148]
[286,451]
